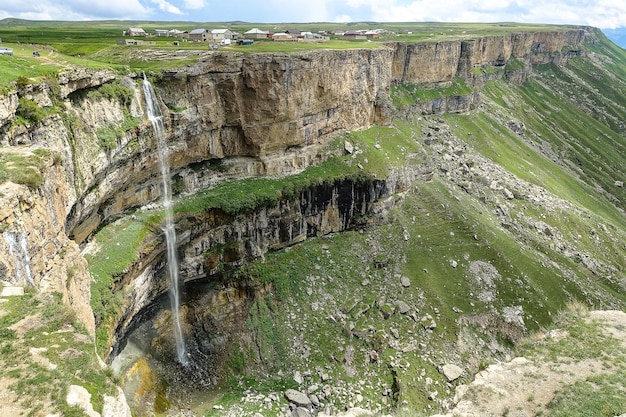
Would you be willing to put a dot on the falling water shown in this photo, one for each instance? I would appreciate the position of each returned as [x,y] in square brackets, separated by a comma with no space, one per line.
[18,247]
[156,118]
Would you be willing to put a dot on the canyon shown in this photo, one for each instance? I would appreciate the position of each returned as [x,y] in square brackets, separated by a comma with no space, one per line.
[235,118]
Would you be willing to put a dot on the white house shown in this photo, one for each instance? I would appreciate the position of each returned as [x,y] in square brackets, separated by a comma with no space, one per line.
[313,37]
[175,33]
[255,33]
[135,32]
[282,36]
[221,34]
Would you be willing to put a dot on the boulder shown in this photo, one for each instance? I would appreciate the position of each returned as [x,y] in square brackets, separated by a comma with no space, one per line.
[301,412]
[403,307]
[451,371]
[298,398]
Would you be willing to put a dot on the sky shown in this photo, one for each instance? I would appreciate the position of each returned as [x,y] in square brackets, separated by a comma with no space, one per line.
[605,14]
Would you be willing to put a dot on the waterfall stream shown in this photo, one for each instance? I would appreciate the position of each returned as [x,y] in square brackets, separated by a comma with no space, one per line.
[18,247]
[156,118]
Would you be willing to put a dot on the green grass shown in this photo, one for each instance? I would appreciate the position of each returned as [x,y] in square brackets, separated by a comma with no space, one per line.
[500,144]
[61,341]
[446,230]
[22,64]
[93,44]
[25,167]
[244,196]
[404,95]
[598,396]
[117,248]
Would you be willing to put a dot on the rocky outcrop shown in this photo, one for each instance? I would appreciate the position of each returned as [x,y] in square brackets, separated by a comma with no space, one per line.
[34,249]
[438,63]
[444,105]
[8,106]
[212,242]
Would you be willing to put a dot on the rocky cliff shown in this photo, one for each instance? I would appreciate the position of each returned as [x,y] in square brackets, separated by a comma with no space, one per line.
[260,114]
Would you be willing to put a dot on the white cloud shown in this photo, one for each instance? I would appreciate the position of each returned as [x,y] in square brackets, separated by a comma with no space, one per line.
[166,6]
[599,13]
[103,9]
[194,4]
[73,9]
[342,18]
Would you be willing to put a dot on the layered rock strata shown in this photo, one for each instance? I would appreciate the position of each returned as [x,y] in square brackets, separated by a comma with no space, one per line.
[267,114]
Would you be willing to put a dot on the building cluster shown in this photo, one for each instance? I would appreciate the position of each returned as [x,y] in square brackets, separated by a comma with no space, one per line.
[226,36]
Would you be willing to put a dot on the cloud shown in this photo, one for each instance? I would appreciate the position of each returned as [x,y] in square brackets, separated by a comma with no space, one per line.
[604,14]
[74,9]
[342,18]
[103,9]
[194,4]
[166,6]
[599,13]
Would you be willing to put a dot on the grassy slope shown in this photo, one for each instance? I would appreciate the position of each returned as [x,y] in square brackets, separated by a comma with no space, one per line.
[44,351]
[587,145]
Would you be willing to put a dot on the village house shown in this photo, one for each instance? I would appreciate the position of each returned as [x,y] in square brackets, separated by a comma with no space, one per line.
[135,32]
[175,33]
[372,34]
[219,35]
[199,35]
[283,36]
[313,37]
[354,35]
[161,32]
[255,33]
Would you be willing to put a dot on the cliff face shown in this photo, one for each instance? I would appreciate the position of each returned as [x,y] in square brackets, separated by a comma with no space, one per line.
[275,110]
[34,249]
[212,242]
[435,63]
[265,114]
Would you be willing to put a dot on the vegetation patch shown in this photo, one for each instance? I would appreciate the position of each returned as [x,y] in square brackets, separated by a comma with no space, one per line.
[406,94]
[113,91]
[26,167]
[117,247]
[47,350]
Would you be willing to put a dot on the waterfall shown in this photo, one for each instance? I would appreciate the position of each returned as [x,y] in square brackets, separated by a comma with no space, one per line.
[18,247]
[156,118]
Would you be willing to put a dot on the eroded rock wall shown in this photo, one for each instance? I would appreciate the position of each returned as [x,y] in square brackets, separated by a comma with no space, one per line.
[267,114]
[34,249]
[438,63]
[212,242]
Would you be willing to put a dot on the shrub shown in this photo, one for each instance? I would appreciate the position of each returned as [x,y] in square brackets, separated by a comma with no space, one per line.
[107,138]
[22,81]
[30,111]
[113,91]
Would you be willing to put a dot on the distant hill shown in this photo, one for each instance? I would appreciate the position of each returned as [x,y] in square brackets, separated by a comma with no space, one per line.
[618,36]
